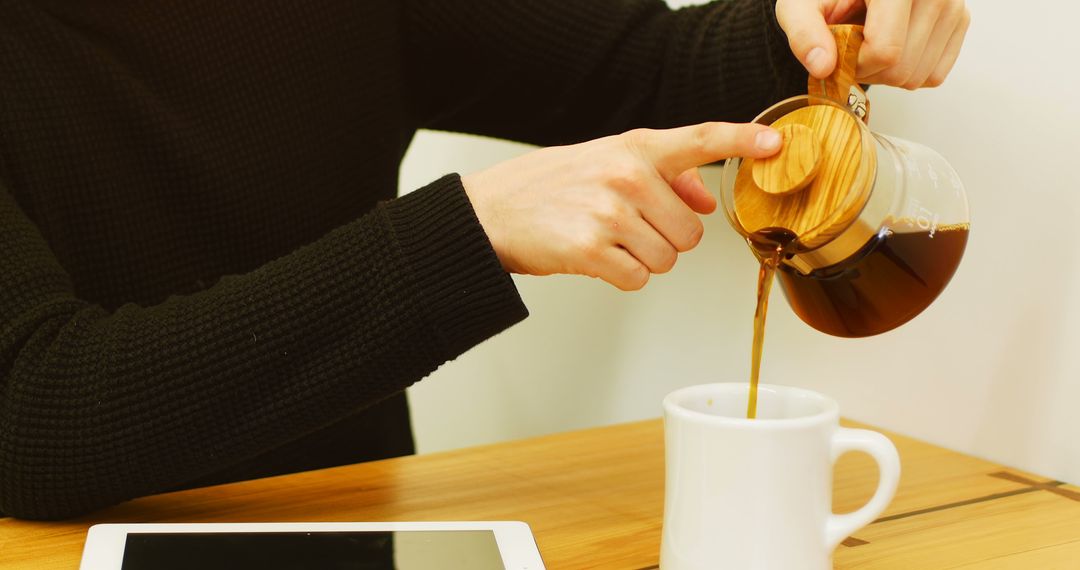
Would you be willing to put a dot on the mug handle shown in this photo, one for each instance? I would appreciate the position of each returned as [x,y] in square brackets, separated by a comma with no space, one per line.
[839,527]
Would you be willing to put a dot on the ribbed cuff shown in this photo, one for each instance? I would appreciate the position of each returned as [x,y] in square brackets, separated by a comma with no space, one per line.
[468,295]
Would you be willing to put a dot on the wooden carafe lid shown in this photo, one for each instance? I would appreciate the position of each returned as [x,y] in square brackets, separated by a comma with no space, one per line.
[820,180]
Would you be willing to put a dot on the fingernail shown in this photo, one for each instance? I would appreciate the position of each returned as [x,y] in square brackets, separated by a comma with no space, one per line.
[815,61]
[768,140]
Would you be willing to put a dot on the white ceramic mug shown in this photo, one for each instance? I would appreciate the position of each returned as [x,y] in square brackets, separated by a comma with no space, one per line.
[747,494]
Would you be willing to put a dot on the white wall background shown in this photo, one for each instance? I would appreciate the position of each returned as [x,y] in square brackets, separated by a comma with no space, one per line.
[992,368]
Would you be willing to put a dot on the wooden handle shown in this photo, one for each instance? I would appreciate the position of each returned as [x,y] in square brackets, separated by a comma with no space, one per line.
[841,86]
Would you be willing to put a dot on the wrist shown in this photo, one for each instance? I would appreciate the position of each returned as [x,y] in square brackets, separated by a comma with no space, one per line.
[476,190]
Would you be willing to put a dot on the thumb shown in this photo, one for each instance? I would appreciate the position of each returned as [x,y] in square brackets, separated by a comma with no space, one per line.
[808,35]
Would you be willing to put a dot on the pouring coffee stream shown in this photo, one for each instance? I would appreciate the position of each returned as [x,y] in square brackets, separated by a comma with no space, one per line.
[863,230]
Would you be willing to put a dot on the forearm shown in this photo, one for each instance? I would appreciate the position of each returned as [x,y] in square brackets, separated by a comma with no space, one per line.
[99,407]
[553,72]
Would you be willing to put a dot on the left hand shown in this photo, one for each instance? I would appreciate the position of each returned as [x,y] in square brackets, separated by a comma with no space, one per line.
[907,43]
[620,208]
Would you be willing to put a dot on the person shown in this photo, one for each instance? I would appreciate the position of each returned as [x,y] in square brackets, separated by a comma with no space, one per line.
[204,273]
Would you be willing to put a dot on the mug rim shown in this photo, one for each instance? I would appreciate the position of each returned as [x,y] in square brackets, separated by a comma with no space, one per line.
[830,409]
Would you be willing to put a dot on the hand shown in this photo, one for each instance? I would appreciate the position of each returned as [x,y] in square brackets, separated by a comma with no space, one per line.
[908,43]
[619,208]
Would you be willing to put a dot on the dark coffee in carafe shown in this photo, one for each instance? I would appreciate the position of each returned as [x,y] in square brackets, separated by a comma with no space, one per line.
[886,285]
[863,230]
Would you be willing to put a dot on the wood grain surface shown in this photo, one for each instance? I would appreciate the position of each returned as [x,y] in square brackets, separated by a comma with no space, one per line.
[818,183]
[833,196]
[594,499]
[794,166]
[838,86]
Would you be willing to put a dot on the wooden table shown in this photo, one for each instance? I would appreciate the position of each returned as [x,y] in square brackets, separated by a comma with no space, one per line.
[594,499]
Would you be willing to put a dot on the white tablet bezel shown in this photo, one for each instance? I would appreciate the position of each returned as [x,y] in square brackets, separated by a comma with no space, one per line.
[104,549]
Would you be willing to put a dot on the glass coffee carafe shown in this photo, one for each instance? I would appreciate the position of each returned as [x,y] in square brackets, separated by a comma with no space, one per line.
[867,229]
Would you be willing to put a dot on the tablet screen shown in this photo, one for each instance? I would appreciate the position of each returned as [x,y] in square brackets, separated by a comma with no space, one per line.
[378,550]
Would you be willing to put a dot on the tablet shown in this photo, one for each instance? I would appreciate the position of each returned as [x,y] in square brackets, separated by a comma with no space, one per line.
[301,546]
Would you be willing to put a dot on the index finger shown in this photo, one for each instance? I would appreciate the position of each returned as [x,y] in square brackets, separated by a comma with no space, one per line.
[884,35]
[673,151]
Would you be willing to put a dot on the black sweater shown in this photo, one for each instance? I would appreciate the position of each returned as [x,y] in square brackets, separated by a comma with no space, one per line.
[204,275]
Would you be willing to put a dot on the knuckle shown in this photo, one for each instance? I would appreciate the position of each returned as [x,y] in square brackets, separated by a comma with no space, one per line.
[692,236]
[634,279]
[935,80]
[591,249]
[897,76]
[887,56]
[637,138]
[610,213]
[954,9]
[695,235]
[589,268]
[599,168]
[964,23]
[701,136]
[626,175]
[801,38]
[667,263]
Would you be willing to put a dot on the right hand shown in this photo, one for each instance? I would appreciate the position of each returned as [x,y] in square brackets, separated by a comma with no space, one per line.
[908,43]
[619,208]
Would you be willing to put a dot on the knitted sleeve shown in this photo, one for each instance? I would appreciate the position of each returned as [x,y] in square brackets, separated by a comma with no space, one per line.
[556,72]
[98,407]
